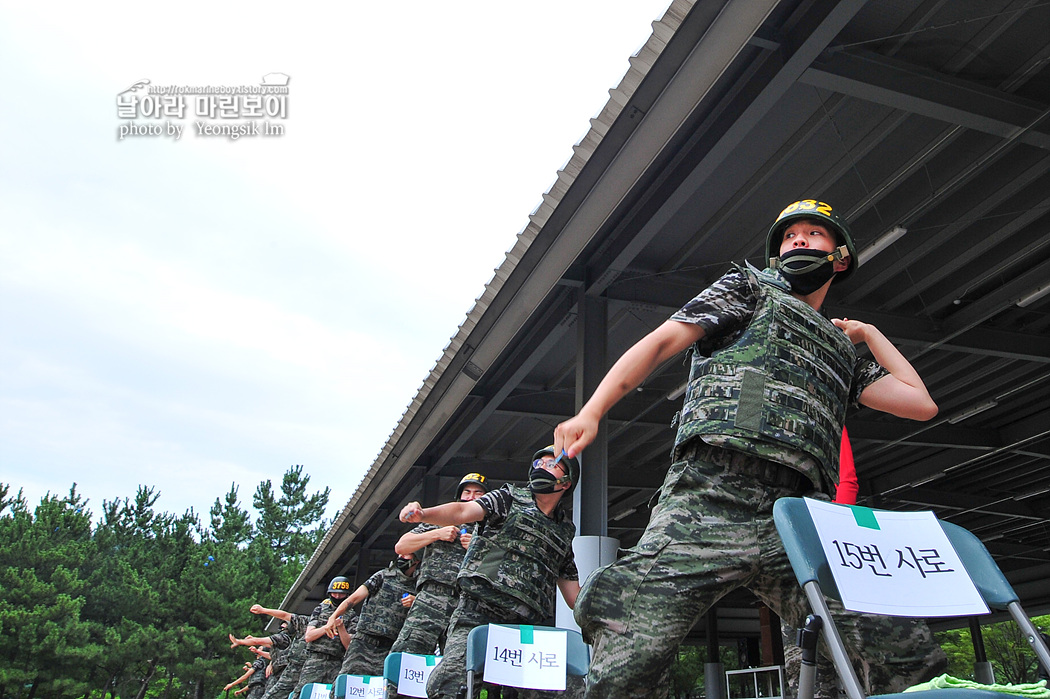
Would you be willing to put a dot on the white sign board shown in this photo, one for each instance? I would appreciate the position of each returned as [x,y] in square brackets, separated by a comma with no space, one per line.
[318,690]
[526,657]
[365,687]
[894,563]
[415,670]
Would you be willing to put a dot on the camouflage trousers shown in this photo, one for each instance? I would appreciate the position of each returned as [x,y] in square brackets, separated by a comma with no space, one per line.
[712,532]
[427,621]
[319,667]
[451,673]
[424,629]
[256,690]
[365,655]
[289,677]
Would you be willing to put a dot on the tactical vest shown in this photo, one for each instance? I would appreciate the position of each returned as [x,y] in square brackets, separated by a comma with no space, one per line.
[383,614]
[324,644]
[441,562]
[523,558]
[785,379]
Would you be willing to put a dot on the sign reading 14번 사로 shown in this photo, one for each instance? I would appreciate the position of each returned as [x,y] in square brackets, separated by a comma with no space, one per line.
[526,657]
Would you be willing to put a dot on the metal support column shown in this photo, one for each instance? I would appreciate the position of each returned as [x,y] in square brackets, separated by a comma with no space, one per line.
[591,499]
[714,672]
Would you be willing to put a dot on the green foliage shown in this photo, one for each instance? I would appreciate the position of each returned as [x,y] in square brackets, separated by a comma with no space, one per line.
[687,669]
[1012,660]
[138,603]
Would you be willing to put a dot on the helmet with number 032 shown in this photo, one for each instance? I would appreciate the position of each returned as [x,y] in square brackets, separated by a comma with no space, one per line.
[339,584]
[572,468]
[823,214]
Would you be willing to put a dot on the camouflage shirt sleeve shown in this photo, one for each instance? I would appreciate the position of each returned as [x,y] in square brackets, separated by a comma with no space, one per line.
[374,583]
[727,304]
[568,568]
[497,504]
[281,640]
[865,373]
[297,624]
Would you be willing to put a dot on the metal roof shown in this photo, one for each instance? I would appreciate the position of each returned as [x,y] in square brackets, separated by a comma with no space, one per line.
[927,117]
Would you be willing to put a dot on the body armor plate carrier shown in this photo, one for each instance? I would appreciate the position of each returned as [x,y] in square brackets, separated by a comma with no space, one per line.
[523,558]
[785,379]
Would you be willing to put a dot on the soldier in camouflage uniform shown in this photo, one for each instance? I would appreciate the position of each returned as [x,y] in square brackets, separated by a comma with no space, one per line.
[255,674]
[521,554]
[324,652]
[387,595]
[442,549]
[763,413]
[287,650]
[257,682]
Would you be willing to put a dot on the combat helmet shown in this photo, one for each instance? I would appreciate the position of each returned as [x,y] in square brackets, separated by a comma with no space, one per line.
[471,479]
[572,465]
[817,210]
[339,584]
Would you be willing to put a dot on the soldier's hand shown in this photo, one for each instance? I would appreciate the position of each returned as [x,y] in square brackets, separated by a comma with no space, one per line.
[412,512]
[228,687]
[240,691]
[855,330]
[575,434]
[233,641]
[464,540]
[407,600]
[269,669]
[448,533]
[257,609]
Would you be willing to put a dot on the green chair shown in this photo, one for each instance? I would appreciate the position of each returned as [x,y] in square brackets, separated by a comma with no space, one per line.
[340,687]
[804,550]
[392,667]
[578,653]
[308,689]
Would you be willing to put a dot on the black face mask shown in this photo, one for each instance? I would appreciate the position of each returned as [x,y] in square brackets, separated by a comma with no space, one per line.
[404,564]
[542,481]
[806,269]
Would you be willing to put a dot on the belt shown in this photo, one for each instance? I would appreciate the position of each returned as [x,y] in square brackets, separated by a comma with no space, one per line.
[763,471]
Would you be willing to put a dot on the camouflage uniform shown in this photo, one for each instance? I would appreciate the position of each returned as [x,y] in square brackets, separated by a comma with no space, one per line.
[324,654]
[508,576]
[257,682]
[380,622]
[292,654]
[436,598]
[762,419]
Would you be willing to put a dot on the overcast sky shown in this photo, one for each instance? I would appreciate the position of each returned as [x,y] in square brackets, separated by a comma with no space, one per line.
[195,312]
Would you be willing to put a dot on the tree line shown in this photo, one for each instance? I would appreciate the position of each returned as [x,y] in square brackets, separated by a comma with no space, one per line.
[136,603]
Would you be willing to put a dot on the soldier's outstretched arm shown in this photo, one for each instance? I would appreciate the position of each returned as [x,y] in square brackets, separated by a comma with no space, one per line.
[249,641]
[629,371]
[276,613]
[410,542]
[902,393]
[449,514]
